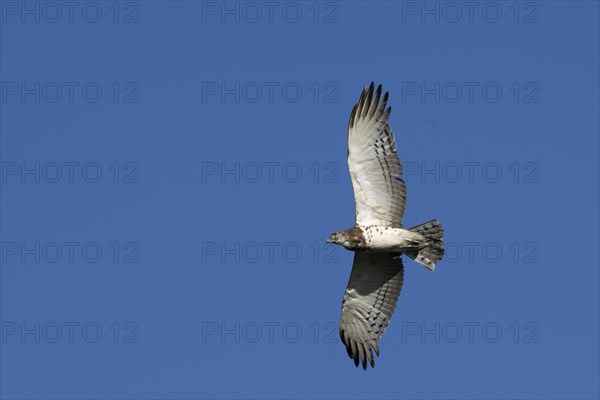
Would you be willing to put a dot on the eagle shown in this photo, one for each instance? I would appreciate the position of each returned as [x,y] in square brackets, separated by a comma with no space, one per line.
[377,238]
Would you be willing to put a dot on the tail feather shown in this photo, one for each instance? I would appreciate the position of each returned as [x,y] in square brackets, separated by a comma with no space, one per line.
[433,249]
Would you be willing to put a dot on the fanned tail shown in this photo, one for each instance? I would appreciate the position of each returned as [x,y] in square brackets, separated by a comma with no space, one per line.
[433,249]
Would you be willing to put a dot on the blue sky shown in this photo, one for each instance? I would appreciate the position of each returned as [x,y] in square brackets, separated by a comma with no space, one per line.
[170,172]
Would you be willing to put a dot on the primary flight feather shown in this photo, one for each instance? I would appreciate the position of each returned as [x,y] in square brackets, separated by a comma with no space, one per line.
[378,237]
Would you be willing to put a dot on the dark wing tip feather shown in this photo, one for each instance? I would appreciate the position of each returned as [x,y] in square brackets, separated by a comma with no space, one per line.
[371,359]
[387,113]
[367,101]
[353,115]
[361,104]
[383,103]
[362,355]
[375,102]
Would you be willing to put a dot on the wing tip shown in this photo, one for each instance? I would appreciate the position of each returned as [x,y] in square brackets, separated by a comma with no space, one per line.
[360,353]
[370,104]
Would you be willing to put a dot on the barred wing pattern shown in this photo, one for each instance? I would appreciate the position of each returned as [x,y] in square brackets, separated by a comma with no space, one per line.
[369,302]
[379,193]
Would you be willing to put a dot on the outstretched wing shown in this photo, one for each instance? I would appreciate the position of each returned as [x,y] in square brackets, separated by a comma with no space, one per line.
[369,302]
[379,193]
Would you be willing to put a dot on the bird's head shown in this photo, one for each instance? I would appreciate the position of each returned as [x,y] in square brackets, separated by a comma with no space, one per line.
[342,238]
[334,238]
[351,239]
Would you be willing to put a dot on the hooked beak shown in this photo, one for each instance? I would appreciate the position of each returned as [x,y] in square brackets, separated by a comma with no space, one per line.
[329,240]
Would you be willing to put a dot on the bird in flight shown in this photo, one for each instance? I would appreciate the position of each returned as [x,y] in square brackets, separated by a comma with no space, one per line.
[378,237]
